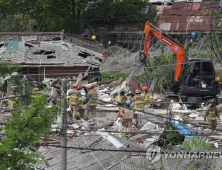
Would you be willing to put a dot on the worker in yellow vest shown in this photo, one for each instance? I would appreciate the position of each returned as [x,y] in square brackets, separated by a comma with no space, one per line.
[74,96]
[91,100]
[148,98]
[128,116]
[212,114]
[12,101]
[80,103]
[138,103]
[121,99]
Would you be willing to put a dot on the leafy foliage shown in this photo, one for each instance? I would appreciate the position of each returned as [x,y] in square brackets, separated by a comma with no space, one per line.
[113,48]
[168,141]
[196,143]
[112,12]
[7,67]
[25,127]
[73,15]
[156,66]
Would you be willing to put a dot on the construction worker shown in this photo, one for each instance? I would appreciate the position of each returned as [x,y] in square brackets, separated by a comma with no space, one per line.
[91,100]
[110,77]
[74,96]
[211,114]
[128,115]
[121,99]
[80,104]
[148,98]
[12,101]
[138,103]
[125,115]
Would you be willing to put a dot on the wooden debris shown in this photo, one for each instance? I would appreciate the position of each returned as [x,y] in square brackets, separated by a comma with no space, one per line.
[49,142]
[95,142]
[56,150]
[85,151]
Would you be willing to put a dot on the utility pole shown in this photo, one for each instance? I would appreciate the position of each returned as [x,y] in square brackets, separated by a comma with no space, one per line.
[24,93]
[64,126]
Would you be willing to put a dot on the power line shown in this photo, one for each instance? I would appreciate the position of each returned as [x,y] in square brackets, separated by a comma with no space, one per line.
[133,151]
[143,132]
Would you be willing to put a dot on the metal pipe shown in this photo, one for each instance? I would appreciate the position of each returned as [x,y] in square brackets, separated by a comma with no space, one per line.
[64,123]
[120,128]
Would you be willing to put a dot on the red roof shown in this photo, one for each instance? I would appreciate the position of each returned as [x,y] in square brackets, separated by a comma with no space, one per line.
[186,17]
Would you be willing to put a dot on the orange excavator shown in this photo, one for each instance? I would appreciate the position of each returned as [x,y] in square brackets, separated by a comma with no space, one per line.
[197,83]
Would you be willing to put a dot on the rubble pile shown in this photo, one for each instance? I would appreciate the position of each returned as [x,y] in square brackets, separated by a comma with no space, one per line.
[106,128]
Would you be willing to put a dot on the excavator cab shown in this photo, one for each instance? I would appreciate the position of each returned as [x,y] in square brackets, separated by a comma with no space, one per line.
[197,82]
[198,78]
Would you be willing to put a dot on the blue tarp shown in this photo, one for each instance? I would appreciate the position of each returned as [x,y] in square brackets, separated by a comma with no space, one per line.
[183,130]
[12,46]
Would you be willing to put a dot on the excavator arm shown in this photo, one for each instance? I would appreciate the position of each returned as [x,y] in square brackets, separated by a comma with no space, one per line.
[175,47]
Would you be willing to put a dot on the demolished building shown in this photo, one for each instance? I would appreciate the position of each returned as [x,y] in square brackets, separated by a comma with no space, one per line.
[47,56]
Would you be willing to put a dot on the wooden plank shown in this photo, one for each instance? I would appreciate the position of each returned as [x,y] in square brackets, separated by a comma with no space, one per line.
[49,142]
[56,150]
[95,142]
[85,151]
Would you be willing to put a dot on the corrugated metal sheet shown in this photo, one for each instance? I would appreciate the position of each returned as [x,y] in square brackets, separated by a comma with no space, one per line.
[196,6]
[176,12]
[165,26]
[191,18]
[198,19]
[178,5]
[160,9]
[166,11]
[183,16]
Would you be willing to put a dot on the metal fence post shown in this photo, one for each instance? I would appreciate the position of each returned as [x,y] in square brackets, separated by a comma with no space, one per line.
[64,126]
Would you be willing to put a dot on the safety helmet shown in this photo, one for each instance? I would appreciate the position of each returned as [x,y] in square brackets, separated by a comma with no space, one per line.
[145,88]
[122,93]
[74,86]
[137,91]
[128,101]
[211,102]
[90,87]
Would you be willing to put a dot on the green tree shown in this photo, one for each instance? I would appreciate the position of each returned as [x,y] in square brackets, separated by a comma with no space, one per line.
[155,67]
[73,15]
[112,12]
[27,125]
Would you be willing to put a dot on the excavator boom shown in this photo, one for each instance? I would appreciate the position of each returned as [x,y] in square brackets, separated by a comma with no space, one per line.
[175,47]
